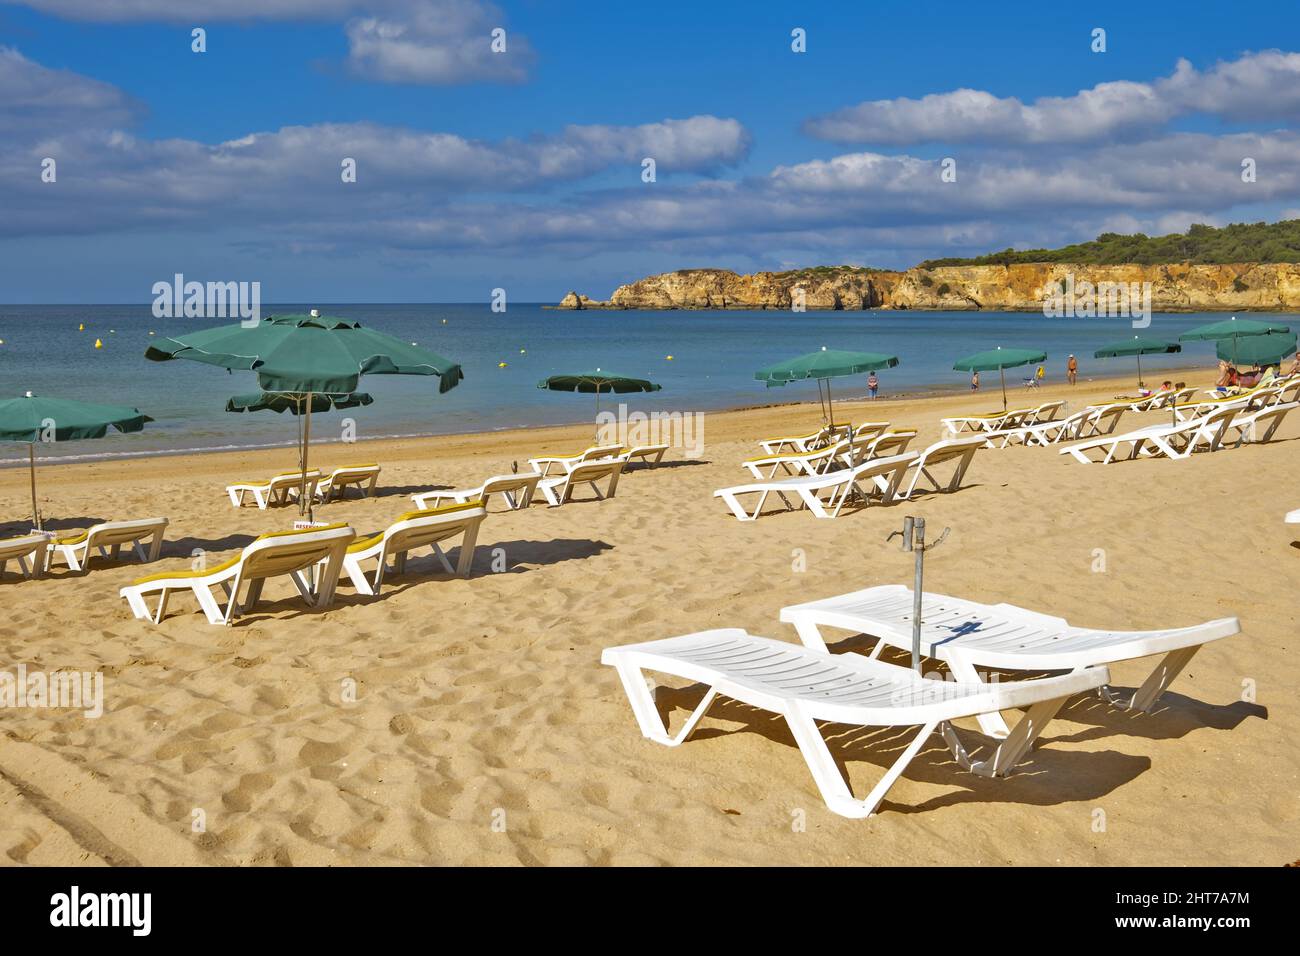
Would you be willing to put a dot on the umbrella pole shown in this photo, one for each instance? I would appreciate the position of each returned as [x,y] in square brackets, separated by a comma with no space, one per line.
[1003,376]
[304,505]
[596,436]
[830,408]
[31,461]
[1139,358]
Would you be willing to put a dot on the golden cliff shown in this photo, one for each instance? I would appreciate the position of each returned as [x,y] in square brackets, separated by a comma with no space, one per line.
[1174,287]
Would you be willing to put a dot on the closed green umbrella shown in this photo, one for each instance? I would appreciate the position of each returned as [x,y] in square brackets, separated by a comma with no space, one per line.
[308,355]
[33,419]
[596,382]
[823,366]
[1268,349]
[1137,347]
[1234,329]
[999,358]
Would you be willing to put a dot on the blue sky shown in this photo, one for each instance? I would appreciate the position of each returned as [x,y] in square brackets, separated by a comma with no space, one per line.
[522,169]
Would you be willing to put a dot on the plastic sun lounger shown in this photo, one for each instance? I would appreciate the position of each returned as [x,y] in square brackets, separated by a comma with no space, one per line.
[415,529]
[364,477]
[884,473]
[1260,426]
[275,490]
[1171,441]
[566,463]
[1045,412]
[1041,433]
[559,490]
[30,551]
[805,686]
[801,443]
[77,548]
[648,455]
[292,553]
[517,490]
[990,421]
[968,636]
[848,452]
[961,450]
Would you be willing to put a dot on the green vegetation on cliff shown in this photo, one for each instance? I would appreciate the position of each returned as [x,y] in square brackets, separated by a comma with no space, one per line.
[1240,242]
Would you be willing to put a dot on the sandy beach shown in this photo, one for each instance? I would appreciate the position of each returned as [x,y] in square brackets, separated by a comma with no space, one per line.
[485,729]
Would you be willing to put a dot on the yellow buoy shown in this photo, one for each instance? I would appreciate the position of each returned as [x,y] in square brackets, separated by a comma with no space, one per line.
[99,344]
[501,364]
[668,358]
[523,351]
[81,327]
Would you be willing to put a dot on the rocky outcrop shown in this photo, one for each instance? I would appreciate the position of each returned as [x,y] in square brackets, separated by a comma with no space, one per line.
[1174,287]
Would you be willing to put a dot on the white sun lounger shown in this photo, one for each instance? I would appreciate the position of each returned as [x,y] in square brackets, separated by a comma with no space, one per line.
[293,553]
[364,477]
[415,529]
[960,450]
[1171,441]
[29,551]
[798,443]
[968,636]
[563,464]
[559,490]
[273,491]
[516,489]
[845,453]
[992,421]
[1044,433]
[1045,412]
[806,686]
[823,495]
[106,539]
[648,455]
[1260,426]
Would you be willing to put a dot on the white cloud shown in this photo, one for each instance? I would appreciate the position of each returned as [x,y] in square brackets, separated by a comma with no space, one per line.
[1260,86]
[34,97]
[437,42]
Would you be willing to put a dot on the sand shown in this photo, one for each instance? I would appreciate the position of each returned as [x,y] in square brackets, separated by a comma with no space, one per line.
[486,731]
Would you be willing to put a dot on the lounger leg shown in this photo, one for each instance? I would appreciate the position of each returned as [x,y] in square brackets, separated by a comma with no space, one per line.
[70,555]
[437,553]
[810,635]
[465,560]
[357,575]
[826,773]
[1013,748]
[991,723]
[137,603]
[741,514]
[647,715]
[1156,683]
[208,602]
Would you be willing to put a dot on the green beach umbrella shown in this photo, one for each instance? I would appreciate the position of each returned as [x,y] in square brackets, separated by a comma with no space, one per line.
[1268,349]
[1137,347]
[33,419]
[999,358]
[1234,329]
[308,355]
[823,366]
[295,403]
[596,382]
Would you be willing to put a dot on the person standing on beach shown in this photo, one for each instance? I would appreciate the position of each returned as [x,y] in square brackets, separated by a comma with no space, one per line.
[1072,369]
[873,384]
[975,381]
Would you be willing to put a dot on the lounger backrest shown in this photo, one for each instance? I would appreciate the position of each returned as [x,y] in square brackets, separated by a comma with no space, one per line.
[595,470]
[421,528]
[294,478]
[942,451]
[869,429]
[890,442]
[353,471]
[601,451]
[502,483]
[121,532]
[281,552]
[11,548]
[1047,411]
